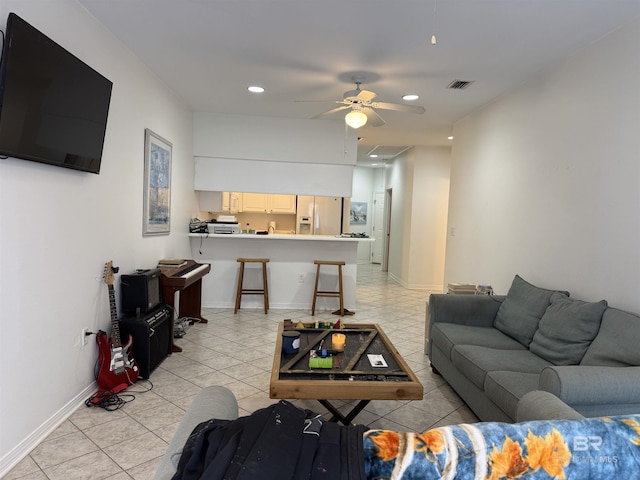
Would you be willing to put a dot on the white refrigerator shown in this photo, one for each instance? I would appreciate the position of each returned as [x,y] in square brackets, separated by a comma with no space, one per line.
[319,215]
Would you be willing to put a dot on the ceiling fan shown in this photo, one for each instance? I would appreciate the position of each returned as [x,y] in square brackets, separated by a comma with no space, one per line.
[362,107]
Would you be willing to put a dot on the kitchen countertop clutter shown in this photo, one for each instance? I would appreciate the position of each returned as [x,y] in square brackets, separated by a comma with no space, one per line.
[285,236]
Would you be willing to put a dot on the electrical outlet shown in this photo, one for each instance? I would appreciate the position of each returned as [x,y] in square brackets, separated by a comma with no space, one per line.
[301,278]
[84,336]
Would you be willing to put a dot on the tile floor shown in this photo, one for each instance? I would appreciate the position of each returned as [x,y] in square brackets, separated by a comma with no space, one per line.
[237,351]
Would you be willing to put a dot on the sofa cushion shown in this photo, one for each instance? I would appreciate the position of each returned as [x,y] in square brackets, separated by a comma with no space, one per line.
[519,314]
[446,335]
[505,389]
[616,344]
[567,329]
[475,362]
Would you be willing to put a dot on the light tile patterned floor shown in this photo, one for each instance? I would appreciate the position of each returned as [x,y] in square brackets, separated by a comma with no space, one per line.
[237,351]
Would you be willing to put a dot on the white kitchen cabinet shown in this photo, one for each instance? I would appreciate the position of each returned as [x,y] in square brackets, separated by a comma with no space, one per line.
[231,202]
[268,203]
[282,203]
[210,201]
[254,202]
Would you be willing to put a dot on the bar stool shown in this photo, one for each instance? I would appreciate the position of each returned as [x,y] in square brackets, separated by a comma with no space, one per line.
[324,293]
[252,291]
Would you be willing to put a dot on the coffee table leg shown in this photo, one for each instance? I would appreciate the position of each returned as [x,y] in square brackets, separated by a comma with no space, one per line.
[344,419]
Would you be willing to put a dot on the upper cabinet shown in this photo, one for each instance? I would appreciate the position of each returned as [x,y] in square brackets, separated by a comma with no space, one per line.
[268,203]
[220,202]
[231,202]
[282,203]
[236,202]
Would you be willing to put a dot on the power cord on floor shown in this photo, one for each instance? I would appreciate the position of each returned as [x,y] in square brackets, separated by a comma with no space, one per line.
[111,399]
[182,324]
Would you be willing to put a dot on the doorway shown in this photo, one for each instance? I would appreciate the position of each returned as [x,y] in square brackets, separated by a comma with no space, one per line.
[387,229]
[377,229]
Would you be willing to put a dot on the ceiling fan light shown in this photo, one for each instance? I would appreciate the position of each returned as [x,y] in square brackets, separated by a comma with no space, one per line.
[355,119]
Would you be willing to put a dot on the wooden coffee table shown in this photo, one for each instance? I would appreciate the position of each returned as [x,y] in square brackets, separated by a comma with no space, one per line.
[352,377]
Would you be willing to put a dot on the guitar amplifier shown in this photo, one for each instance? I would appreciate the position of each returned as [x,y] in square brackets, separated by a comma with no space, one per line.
[152,334]
[140,291]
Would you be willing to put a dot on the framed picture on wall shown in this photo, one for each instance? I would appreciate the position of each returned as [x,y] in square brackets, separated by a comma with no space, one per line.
[157,185]
[358,213]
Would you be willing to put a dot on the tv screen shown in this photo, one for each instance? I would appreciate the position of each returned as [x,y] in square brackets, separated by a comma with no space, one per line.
[53,106]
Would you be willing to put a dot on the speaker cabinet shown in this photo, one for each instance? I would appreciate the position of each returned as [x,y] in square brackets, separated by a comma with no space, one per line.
[140,291]
[152,335]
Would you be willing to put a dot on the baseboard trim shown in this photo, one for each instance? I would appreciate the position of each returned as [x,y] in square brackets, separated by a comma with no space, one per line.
[435,288]
[25,447]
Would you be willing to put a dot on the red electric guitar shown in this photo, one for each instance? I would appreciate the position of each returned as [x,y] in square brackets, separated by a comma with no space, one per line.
[117,368]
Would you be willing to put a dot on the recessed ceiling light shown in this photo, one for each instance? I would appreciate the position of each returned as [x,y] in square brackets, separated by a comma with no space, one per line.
[410,96]
[373,155]
[374,164]
[450,137]
[255,89]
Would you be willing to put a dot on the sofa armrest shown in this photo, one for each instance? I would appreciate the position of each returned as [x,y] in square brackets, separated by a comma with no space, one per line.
[541,405]
[592,385]
[478,310]
[210,402]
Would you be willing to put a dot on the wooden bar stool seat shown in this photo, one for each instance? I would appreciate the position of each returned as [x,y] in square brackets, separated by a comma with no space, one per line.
[252,291]
[325,293]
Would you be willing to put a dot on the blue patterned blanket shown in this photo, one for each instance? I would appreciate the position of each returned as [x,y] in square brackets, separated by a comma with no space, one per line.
[593,448]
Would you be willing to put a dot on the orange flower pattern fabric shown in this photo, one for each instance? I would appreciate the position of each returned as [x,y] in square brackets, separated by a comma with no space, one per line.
[593,448]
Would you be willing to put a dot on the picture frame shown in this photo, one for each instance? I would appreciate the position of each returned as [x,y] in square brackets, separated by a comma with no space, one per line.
[358,213]
[157,184]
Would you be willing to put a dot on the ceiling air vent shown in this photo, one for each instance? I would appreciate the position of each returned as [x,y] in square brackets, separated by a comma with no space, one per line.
[459,84]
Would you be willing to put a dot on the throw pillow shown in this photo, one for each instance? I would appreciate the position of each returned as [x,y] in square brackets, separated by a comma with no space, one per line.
[567,329]
[522,309]
[616,344]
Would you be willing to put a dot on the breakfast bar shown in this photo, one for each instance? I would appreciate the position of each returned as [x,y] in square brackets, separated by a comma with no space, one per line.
[291,271]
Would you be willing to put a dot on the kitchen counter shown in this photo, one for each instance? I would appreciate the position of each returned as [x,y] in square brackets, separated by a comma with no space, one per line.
[291,271]
[282,236]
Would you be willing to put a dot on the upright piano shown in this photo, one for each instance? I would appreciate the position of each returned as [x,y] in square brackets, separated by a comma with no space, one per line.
[186,279]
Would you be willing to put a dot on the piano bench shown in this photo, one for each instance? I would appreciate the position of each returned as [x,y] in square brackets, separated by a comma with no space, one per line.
[252,291]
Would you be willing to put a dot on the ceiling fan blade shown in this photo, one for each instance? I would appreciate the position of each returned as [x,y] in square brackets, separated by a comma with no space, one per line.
[365,96]
[318,101]
[373,118]
[398,107]
[333,110]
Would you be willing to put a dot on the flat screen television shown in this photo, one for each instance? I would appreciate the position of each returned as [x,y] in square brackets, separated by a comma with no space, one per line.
[54,107]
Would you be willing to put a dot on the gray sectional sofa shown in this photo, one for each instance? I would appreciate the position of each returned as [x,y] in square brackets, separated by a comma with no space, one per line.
[495,349]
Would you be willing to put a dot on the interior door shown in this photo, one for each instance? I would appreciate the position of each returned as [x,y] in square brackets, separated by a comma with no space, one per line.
[387,229]
[377,229]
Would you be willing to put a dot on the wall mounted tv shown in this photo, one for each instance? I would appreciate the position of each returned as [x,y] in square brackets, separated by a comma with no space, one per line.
[53,106]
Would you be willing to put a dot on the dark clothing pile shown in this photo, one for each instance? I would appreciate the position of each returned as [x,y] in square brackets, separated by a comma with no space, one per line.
[280,442]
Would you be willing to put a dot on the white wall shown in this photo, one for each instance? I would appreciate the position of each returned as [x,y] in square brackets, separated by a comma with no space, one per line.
[363,179]
[430,201]
[544,181]
[58,227]
[284,155]
[419,179]
[399,180]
